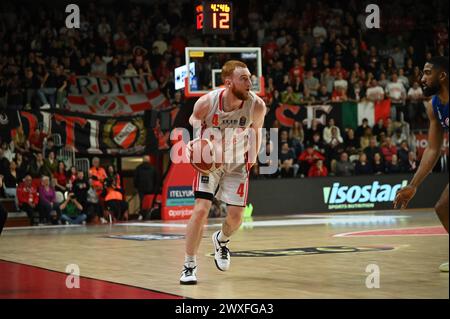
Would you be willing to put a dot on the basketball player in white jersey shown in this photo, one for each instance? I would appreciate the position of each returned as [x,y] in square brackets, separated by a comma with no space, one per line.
[235,107]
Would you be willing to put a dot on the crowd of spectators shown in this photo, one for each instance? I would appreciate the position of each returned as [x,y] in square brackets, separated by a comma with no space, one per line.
[51,193]
[313,51]
[385,148]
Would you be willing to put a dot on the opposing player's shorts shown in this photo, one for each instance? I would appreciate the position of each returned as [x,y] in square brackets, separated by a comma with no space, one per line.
[227,185]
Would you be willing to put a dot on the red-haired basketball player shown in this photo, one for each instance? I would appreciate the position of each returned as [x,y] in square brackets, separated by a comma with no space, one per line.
[233,107]
[435,84]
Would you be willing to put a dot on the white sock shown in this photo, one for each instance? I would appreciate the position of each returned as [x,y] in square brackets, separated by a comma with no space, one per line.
[222,238]
[190,261]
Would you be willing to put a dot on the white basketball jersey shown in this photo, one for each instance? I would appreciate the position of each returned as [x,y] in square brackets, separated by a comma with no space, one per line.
[233,124]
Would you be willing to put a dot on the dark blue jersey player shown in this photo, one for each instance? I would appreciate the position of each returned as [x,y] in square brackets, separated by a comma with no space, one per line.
[434,84]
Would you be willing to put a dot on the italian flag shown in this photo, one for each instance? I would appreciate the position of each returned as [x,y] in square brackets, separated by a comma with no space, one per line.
[353,113]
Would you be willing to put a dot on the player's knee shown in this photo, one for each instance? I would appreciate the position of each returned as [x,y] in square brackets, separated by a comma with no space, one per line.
[441,208]
[235,219]
[200,212]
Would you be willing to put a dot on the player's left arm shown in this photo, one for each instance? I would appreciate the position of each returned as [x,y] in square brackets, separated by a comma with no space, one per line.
[259,113]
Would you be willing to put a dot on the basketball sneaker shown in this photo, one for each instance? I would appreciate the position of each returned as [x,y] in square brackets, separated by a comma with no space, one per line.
[443,267]
[222,253]
[189,276]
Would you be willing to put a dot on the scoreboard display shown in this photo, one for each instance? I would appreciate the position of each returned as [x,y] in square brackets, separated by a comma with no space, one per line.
[215,17]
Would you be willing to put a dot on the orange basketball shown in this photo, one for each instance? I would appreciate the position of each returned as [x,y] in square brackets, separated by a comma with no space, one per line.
[203,156]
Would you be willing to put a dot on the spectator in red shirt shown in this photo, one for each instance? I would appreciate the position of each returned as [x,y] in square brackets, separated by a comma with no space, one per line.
[37,140]
[307,159]
[318,170]
[388,149]
[296,71]
[28,198]
[339,69]
[61,177]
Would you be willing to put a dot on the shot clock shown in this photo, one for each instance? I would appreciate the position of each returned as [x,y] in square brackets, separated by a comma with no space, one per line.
[215,17]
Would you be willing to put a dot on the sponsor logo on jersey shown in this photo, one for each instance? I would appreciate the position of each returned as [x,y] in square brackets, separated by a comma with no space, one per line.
[242,121]
[205,179]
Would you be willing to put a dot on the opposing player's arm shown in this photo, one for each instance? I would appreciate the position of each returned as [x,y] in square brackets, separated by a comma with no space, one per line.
[429,159]
[259,112]
[433,150]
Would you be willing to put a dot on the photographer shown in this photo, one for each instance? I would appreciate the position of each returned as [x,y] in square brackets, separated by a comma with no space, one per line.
[72,211]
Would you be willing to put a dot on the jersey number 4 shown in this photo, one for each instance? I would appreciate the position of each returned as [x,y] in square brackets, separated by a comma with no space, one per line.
[240,190]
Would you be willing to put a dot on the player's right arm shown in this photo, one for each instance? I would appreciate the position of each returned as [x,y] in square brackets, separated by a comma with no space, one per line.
[201,109]
[429,159]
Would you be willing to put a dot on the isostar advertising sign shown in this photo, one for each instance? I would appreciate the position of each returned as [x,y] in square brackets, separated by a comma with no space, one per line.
[343,196]
[339,194]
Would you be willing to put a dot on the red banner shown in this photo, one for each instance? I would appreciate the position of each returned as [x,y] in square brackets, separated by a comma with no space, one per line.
[422,143]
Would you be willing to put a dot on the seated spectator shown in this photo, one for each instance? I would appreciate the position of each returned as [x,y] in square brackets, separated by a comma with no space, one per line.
[379,128]
[61,179]
[378,164]
[286,162]
[50,163]
[80,188]
[403,152]
[412,164]
[50,146]
[72,211]
[297,136]
[48,207]
[4,163]
[375,92]
[356,92]
[37,167]
[318,169]
[37,141]
[8,153]
[317,143]
[284,138]
[361,130]
[365,138]
[323,95]
[112,174]
[307,97]
[372,149]
[11,182]
[307,159]
[362,165]
[341,83]
[22,166]
[290,97]
[311,83]
[415,97]
[20,140]
[327,130]
[344,167]
[393,167]
[28,199]
[316,127]
[98,68]
[351,143]
[388,149]
[115,205]
[73,174]
[397,93]
[98,174]
[398,137]
[94,210]
[339,94]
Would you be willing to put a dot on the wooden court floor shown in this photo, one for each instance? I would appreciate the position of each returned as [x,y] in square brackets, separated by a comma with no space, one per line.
[301,256]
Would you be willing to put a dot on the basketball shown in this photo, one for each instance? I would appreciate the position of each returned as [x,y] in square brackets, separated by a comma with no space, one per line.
[202,156]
